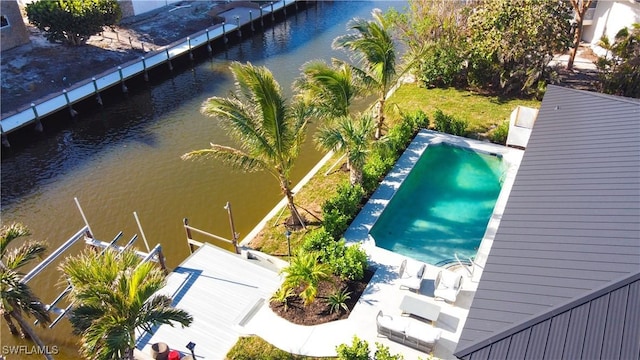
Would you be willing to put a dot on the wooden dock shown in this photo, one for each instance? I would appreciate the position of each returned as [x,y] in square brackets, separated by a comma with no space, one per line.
[243,19]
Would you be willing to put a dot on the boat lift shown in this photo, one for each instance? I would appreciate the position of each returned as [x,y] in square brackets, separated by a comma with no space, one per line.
[85,233]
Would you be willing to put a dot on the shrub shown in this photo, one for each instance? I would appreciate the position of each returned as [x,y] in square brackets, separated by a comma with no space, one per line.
[380,162]
[449,124]
[349,262]
[440,66]
[339,210]
[499,134]
[335,223]
[359,350]
[316,241]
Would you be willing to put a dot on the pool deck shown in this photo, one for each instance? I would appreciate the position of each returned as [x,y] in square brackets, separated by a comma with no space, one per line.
[228,314]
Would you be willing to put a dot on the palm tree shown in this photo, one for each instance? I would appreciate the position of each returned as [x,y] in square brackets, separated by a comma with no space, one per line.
[351,137]
[329,90]
[305,270]
[116,294]
[270,132]
[17,297]
[373,48]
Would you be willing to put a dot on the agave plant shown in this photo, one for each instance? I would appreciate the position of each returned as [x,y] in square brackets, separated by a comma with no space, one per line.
[338,300]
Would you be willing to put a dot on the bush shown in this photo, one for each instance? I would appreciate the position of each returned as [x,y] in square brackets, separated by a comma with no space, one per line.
[73,22]
[339,210]
[338,300]
[359,350]
[317,241]
[441,65]
[380,161]
[348,262]
[449,124]
[499,134]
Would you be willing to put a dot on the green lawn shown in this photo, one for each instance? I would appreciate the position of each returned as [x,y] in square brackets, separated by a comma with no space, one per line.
[254,347]
[482,112]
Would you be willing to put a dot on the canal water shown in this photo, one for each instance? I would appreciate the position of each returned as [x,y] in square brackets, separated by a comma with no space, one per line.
[126,158]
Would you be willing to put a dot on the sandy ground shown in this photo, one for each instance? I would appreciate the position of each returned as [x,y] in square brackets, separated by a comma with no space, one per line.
[40,68]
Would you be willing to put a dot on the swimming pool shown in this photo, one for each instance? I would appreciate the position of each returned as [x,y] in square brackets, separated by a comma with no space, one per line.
[443,206]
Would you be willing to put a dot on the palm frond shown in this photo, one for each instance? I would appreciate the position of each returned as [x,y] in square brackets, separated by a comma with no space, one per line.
[10,232]
[24,254]
[228,155]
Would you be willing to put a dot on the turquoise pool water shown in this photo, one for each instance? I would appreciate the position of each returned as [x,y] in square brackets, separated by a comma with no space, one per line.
[443,206]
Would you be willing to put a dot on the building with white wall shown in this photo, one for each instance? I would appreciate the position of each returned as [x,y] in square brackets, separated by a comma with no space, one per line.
[606,17]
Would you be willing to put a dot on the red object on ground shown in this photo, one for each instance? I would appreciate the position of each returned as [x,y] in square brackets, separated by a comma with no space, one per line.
[174,355]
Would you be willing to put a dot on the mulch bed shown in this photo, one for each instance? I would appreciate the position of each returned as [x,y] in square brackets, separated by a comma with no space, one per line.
[318,312]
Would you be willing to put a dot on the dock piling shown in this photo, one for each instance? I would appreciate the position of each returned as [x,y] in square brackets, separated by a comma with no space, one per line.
[4,139]
[261,18]
[72,112]
[251,21]
[95,87]
[124,86]
[189,47]
[209,49]
[169,60]
[224,33]
[273,17]
[38,126]
[144,66]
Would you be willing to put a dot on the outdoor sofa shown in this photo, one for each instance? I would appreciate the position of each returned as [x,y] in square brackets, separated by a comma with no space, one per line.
[412,333]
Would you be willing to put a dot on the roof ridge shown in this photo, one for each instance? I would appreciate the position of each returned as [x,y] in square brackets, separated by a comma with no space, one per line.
[555,311]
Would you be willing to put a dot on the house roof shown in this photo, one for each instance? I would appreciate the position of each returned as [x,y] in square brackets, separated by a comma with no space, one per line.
[566,258]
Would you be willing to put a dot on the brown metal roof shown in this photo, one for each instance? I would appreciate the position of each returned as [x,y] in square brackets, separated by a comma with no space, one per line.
[570,229]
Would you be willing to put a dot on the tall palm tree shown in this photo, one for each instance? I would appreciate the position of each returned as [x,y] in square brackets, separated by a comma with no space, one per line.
[269,131]
[17,297]
[116,294]
[329,90]
[373,48]
[305,270]
[351,137]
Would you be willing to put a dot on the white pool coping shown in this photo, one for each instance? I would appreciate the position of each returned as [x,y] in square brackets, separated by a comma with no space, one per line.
[358,231]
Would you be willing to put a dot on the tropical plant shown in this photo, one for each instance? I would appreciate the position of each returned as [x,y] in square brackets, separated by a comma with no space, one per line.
[305,270]
[283,296]
[73,21]
[351,137]
[115,294]
[17,297]
[620,73]
[269,131]
[328,90]
[338,300]
[372,47]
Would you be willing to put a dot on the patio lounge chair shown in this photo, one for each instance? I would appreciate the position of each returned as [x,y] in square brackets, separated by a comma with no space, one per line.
[447,285]
[411,279]
[411,333]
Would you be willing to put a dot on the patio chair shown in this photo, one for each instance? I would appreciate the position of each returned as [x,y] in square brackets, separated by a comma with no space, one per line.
[447,286]
[415,334]
[411,279]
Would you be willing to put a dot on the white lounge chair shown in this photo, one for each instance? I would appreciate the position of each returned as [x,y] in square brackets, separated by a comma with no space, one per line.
[415,334]
[447,285]
[411,278]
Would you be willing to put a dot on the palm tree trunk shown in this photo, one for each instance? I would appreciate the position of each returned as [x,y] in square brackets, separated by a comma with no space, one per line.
[295,215]
[10,324]
[380,118]
[26,328]
[355,176]
[132,346]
